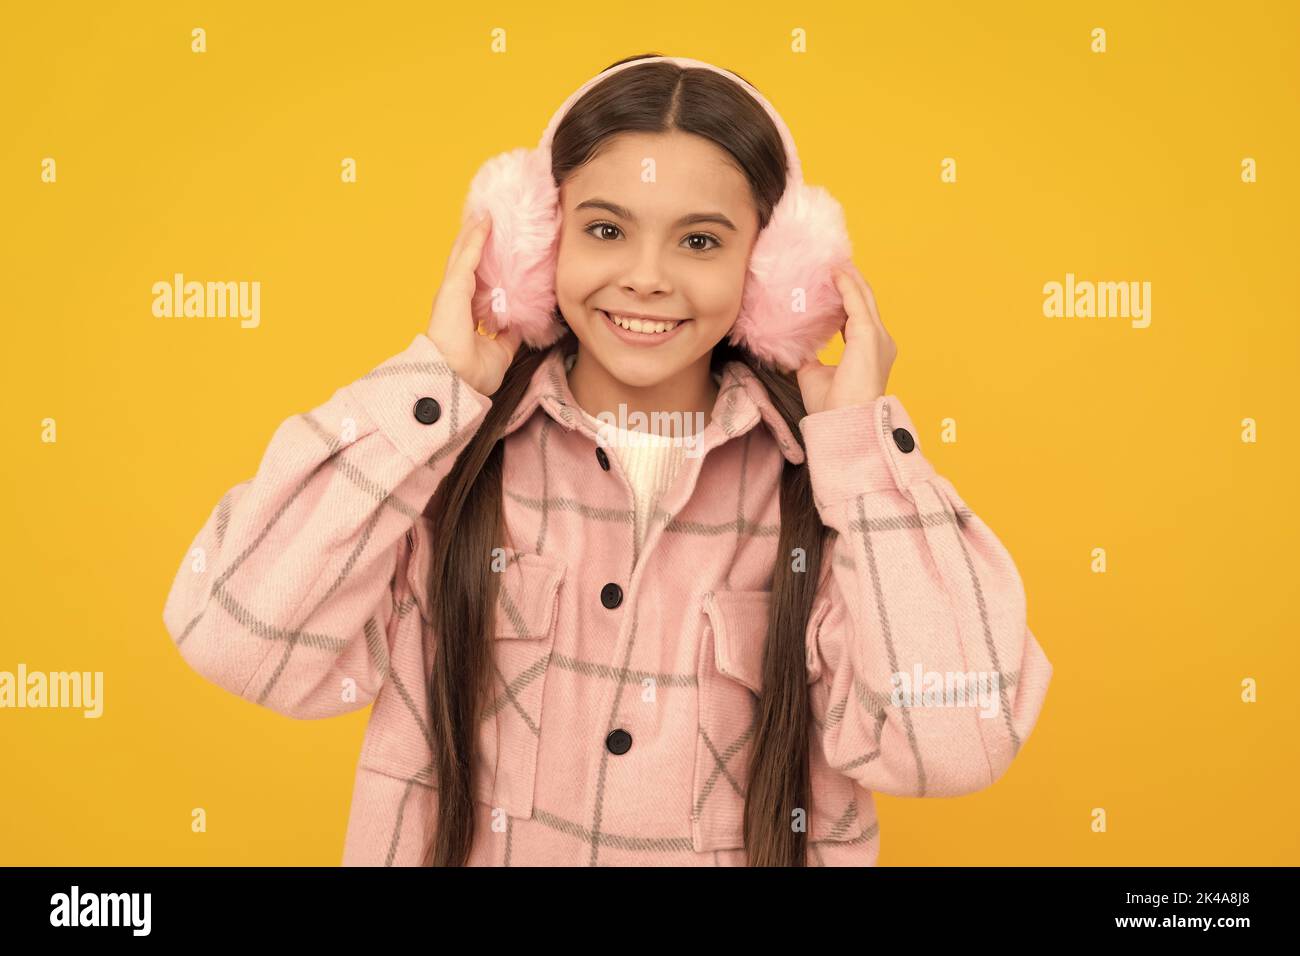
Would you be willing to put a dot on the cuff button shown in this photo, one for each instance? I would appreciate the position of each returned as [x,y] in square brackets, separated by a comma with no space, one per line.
[903,439]
[427,411]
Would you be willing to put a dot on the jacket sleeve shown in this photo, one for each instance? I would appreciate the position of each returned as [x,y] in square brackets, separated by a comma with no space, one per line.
[926,678]
[292,585]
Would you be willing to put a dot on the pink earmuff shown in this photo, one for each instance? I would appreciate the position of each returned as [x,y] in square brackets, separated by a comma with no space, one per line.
[790,306]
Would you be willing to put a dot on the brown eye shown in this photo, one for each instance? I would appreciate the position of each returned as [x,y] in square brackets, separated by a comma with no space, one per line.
[707,238]
[603,226]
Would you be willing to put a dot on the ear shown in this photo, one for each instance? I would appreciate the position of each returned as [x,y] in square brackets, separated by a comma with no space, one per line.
[790,307]
[516,272]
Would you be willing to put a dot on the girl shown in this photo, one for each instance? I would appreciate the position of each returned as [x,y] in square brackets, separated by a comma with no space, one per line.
[588,645]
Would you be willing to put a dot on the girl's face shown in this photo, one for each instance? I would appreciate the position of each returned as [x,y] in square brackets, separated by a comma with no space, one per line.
[657,224]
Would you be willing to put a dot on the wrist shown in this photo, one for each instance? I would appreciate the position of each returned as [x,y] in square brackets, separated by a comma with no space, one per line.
[861,449]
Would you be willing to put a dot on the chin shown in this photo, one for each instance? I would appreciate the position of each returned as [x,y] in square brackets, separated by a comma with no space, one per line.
[638,371]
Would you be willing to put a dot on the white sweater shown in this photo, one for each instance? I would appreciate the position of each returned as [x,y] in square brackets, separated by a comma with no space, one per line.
[650,462]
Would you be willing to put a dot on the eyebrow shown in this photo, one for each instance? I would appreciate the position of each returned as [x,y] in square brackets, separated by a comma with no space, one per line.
[688,220]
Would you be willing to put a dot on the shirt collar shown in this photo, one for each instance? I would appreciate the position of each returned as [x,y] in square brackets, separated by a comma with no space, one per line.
[741,404]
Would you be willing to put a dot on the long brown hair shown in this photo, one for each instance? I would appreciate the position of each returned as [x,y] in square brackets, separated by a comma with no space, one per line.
[466,510]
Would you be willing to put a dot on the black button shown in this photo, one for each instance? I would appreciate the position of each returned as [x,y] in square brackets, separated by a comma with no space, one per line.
[903,439]
[427,411]
[602,458]
[611,595]
[619,741]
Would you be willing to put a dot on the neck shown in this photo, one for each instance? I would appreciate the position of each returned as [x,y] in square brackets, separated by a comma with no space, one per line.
[690,392]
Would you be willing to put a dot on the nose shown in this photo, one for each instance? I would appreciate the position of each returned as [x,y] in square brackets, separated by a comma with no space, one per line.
[645,274]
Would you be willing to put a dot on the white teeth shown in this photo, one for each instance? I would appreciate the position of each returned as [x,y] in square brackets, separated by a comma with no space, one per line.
[641,325]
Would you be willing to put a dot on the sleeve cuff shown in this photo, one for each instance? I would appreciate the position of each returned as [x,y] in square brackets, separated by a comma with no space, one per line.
[860,449]
[418,402]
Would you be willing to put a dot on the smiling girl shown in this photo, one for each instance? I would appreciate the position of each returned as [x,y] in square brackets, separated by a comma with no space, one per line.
[584,646]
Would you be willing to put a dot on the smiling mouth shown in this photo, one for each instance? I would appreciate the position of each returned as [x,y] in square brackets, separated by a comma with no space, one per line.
[647,327]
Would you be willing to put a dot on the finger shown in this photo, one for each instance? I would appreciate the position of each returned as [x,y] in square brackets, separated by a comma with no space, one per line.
[511,337]
[813,368]
[844,315]
[466,228]
[814,378]
[872,313]
[456,243]
[467,258]
[854,304]
[868,296]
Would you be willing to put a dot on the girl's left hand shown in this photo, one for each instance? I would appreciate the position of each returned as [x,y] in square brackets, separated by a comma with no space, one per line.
[869,353]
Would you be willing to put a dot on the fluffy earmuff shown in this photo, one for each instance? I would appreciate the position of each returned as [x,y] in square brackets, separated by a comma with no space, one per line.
[516,273]
[790,307]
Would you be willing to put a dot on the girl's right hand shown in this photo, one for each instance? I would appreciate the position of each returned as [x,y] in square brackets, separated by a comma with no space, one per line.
[480,360]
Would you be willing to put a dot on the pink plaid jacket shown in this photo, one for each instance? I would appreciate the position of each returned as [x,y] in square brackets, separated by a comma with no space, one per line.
[621,723]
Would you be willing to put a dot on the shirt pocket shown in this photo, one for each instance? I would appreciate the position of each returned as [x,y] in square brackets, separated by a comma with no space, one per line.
[399,737]
[730,683]
[511,724]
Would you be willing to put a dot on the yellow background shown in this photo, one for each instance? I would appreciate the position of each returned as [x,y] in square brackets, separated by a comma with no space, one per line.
[1074,434]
